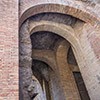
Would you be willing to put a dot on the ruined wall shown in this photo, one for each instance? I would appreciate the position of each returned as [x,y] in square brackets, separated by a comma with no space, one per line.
[86,10]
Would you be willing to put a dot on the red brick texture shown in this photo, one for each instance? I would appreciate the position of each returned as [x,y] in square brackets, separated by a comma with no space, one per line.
[8,50]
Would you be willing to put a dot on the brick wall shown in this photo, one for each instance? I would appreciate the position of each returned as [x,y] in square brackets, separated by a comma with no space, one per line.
[8,49]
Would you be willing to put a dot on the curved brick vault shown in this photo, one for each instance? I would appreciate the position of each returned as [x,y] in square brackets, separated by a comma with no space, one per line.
[75,8]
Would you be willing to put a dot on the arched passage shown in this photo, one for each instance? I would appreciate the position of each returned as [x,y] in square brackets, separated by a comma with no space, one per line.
[62,30]
[49,57]
[82,60]
[77,48]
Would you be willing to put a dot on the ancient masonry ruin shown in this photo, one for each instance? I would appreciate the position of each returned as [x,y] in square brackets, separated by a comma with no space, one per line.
[49,49]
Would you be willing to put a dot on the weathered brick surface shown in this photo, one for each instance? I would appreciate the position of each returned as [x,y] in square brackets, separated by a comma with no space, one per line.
[8,50]
[85,39]
[86,11]
[89,41]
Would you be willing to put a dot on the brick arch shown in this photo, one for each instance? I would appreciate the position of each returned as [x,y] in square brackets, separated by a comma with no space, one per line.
[25,42]
[84,61]
[60,29]
[73,10]
[69,34]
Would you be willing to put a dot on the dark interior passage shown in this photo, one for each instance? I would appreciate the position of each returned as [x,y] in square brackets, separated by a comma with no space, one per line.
[81,86]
